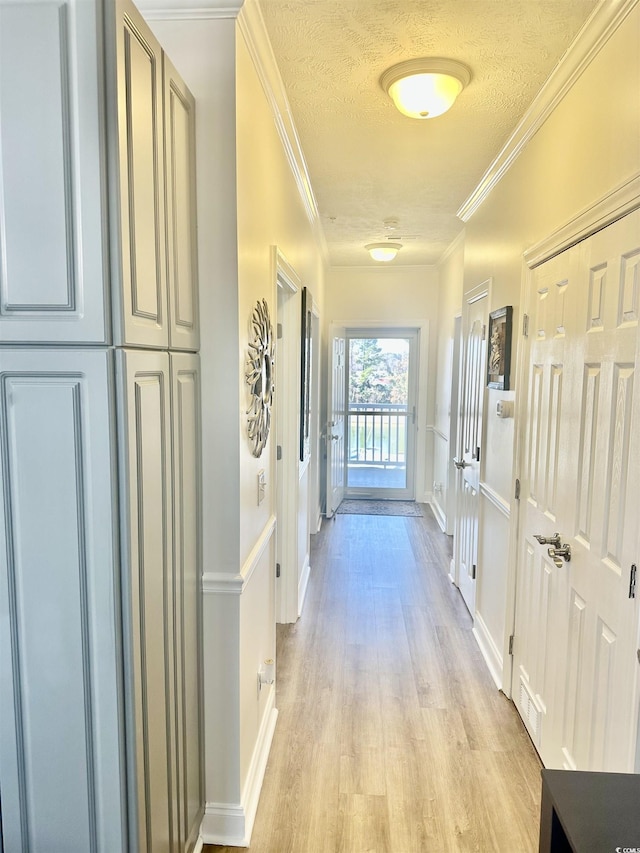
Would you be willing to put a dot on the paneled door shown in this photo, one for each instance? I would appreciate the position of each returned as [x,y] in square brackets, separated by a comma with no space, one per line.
[180,183]
[577,617]
[61,733]
[335,429]
[474,358]
[145,430]
[187,598]
[52,254]
[142,314]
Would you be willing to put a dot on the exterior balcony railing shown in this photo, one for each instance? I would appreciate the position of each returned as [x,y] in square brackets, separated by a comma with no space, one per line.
[377,434]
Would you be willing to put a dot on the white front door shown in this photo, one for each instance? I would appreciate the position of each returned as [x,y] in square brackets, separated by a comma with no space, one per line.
[577,619]
[474,359]
[335,429]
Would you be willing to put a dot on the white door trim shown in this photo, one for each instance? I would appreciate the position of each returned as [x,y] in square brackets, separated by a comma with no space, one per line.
[286,286]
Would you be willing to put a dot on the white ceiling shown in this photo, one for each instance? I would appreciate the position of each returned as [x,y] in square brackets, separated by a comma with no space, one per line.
[367,162]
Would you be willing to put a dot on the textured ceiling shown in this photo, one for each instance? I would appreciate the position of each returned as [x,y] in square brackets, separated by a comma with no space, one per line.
[367,162]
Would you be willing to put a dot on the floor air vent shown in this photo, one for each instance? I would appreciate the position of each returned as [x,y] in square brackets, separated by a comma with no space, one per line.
[530,711]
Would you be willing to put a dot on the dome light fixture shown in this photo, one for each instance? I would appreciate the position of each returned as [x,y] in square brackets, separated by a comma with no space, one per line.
[425,88]
[383,251]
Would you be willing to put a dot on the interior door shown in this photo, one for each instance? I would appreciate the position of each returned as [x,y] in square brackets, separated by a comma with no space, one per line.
[470,443]
[335,429]
[577,617]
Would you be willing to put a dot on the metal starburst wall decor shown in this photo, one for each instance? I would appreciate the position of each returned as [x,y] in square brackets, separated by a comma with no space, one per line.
[260,378]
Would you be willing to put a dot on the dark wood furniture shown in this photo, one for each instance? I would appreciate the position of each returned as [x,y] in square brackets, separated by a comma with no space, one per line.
[589,812]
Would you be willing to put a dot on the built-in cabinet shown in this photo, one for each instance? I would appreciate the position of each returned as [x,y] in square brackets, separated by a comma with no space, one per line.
[100,559]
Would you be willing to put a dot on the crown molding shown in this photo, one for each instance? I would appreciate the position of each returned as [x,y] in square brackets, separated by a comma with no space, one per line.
[617,203]
[451,248]
[597,30]
[189,10]
[252,26]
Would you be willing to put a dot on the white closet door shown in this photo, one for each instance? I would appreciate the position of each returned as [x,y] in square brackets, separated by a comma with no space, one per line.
[61,733]
[141,315]
[182,254]
[185,400]
[145,431]
[51,241]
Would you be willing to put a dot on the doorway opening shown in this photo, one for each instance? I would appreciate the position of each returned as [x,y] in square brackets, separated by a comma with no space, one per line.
[381,413]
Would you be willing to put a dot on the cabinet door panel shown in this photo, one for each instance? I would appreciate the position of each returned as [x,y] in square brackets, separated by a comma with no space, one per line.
[145,430]
[187,584]
[182,277]
[51,244]
[61,754]
[142,311]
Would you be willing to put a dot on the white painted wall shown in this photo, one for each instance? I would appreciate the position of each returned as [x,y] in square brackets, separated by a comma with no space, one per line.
[396,296]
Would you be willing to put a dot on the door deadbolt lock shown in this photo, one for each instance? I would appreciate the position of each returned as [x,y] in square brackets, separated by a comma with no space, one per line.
[557,554]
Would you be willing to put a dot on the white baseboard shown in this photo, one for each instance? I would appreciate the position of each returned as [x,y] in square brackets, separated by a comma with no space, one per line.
[490,651]
[425,498]
[303,584]
[231,824]
[438,512]
[199,845]
[452,572]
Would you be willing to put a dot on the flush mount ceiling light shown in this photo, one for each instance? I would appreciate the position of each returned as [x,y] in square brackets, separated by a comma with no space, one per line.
[425,88]
[383,251]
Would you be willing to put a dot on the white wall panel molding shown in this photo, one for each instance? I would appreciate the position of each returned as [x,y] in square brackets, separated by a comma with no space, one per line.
[621,200]
[252,27]
[232,823]
[599,27]
[495,499]
[189,10]
[225,583]
[490,651]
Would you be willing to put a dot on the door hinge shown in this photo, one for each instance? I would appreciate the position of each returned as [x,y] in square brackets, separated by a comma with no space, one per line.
[525,325]
[477,456]
[278,452]
[511,644]
[632,581]
[473,572]
[277,570]
[517,495]
[279,331]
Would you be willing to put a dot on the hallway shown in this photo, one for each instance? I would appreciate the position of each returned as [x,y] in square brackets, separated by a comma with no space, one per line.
[391,735]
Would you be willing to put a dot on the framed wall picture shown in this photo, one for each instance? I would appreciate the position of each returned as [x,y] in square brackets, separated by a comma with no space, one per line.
[499,361]
[305,375]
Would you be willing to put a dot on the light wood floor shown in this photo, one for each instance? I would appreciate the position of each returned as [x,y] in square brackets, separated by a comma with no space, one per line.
[391,734]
